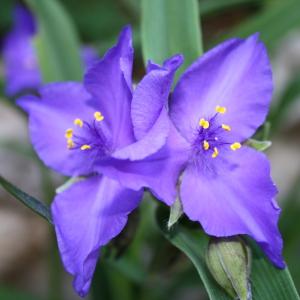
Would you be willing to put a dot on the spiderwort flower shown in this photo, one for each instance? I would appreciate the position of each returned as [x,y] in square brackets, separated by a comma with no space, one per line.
[20,61]
[20,58]
[219,102]
[119,139]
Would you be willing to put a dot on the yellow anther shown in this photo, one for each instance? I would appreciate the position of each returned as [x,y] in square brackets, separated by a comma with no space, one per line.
[205,145]
[78,122]
[203,123]
[70,144]
[69,133]
[85,147]
[235,146]
[98,116]
[216,152]
[226,127]
[221,109]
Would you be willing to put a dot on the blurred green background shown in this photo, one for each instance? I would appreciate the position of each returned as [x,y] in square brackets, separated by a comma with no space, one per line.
[149,268]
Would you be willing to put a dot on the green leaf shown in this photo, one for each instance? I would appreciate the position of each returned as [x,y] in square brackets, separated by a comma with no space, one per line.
[273,22]
[267,281]
[57,43]
[208,7]
[12,294]
[170,27]
[34,204]
[286,100]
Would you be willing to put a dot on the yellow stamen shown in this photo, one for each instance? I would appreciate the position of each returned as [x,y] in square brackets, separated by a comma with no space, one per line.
[226,127]
[85,147]
[235,146]
[216,152]
[203,123]
[221,109]
[205,145]
[70,144]
[78,122]
[69,133]
[98,116]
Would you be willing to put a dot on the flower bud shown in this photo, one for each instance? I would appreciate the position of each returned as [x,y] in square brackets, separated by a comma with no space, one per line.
[229,261]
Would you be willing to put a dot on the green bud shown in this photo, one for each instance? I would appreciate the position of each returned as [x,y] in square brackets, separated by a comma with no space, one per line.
[229,262]
[259,145]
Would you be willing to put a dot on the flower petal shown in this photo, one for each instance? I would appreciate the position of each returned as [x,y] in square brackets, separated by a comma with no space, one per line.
[49,117]
[87,216]
[109,81]
[148,111]
[235,74]
[19,56]
[151,95]
[237,199]
[158,172]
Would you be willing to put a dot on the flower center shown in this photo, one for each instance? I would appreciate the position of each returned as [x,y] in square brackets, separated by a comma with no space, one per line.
[88,135]
[212,135]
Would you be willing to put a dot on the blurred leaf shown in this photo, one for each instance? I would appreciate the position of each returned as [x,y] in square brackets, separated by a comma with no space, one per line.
[268,282]
[259,145]
[286,100]
[57,43]
[34,204]
[97,20]
[6,15]
[170,27]
[212,6]
[278,18]
[11,294]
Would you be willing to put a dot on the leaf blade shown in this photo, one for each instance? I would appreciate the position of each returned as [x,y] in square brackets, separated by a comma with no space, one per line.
[35,205]
[57,43]
[170,27]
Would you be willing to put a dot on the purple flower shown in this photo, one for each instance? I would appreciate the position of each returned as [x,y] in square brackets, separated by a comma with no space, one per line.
[120,140]
[20,59]
[219,102]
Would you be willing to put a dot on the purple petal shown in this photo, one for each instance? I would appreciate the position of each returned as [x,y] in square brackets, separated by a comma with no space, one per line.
[49,117]
[235,74]
[236,199]
[87,216]
[89,56]
[109,81]
[19,56]
[151,95]
[148,111]
[158,172]
[23,20]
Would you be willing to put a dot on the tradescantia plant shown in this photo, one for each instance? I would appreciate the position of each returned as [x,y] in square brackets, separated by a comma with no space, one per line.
[187,142]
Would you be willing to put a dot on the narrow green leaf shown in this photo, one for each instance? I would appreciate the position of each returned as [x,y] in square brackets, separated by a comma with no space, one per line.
[208,7]
[170,27]
[34,204]
[57,43]
[286,100]
[12,294]
[267,281]
[273,22]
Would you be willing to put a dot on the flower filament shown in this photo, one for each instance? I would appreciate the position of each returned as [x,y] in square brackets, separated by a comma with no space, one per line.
[211,135]
[90,135]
